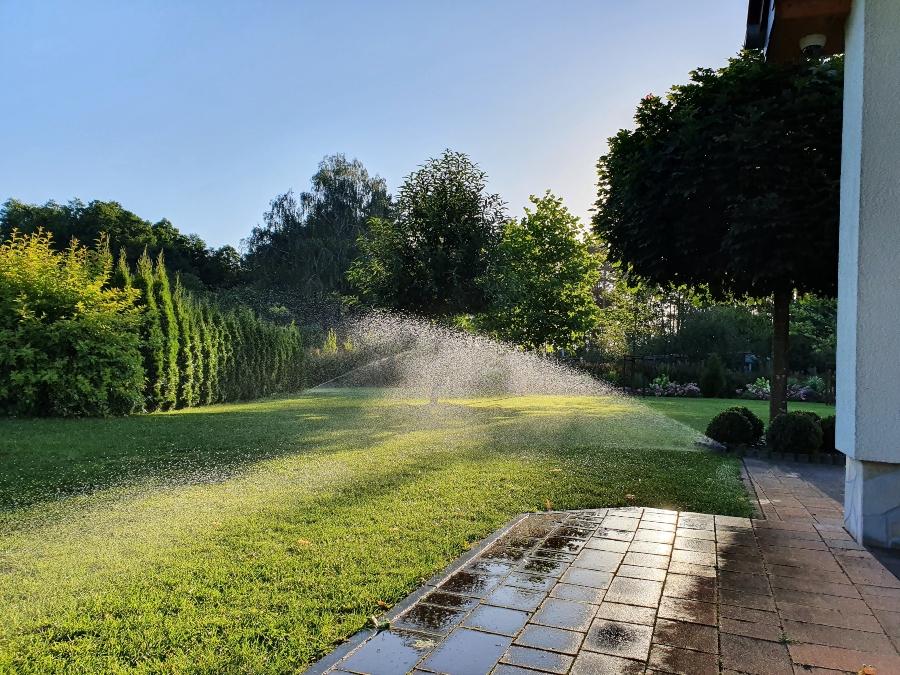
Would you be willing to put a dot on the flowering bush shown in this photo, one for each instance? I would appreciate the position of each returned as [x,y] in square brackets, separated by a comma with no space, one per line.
[662,386]
[797,391]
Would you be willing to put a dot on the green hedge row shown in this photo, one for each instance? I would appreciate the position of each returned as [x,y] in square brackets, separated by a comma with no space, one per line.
[196,353]
[81,336]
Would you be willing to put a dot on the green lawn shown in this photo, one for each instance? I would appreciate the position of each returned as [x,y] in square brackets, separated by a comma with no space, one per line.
[253,537]
[697,412]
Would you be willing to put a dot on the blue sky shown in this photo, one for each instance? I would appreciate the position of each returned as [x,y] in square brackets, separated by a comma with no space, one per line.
[201,112]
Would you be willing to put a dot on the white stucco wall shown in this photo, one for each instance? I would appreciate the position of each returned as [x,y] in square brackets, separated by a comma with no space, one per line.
[868,359]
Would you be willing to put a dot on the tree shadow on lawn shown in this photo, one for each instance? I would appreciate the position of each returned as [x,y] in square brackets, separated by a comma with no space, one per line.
[47,460]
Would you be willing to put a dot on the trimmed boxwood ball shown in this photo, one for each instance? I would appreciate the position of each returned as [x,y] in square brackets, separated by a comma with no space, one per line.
[794,432]
[758,425]
[730,427]
[827,424]
[810,414]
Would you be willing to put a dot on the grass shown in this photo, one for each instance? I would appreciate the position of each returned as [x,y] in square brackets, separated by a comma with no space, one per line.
[254,537]
[697,412]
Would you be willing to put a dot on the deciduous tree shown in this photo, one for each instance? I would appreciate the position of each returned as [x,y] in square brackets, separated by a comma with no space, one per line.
[732,182]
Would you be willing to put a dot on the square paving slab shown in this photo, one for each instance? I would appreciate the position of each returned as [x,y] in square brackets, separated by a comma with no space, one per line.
[636,590]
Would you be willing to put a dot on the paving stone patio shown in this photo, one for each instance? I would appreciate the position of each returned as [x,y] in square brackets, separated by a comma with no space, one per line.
[640,590]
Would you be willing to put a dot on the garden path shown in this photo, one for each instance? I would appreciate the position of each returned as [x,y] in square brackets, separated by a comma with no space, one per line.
[642,590]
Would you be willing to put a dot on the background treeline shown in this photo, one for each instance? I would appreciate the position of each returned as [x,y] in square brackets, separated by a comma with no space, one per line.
[80,335]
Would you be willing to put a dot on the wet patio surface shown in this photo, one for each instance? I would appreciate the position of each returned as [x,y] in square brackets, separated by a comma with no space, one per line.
[640,590]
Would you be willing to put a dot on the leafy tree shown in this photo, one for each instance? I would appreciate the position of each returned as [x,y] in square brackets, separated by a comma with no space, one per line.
[428,256]
[307,241]
[732,182]
[69,341]
[126,231]
[541,283]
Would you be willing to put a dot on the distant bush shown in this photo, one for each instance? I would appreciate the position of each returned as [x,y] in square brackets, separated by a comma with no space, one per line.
[730,427]
[712,377]
[828,442]
[755,422]
[794,432]
[69,344]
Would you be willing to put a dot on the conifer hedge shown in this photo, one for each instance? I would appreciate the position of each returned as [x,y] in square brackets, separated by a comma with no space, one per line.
[200,353]
[80,335]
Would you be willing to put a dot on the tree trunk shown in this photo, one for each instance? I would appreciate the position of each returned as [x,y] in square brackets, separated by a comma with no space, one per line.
[780,330]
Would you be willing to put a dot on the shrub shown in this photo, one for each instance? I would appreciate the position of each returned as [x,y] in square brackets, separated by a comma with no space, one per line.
[755,422]
[809,413]
[827,425]
[712,377]
[730,427]
[69,344]
[794,432]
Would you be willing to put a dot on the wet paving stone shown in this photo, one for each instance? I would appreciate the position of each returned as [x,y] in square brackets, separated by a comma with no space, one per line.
[634,592]
[506,553]
[538,659]
[563,544]
[551,639]
[544,567]
[577,593]
[553,555]
[633,572]
[496,568]
[464,651]
[628,613]
[499,620]
[620,523]
[583,577]
[506,669]
[686,635]
[450,600]
[431,619]
[572,532]
[515,597]
[609,533]
[601,544]
[530,582]
[631,590]
[628,640]
[567,614]
[390,651]
[605,561]
[466,583]
[592,663]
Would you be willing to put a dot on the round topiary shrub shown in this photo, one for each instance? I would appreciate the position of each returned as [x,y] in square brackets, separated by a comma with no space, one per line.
[755,422]
[809,413]
[794,432]
[827,424]
[730,427]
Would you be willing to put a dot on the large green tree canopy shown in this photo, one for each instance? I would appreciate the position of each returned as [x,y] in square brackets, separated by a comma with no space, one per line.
[428,256]
[541,283]
[732,182]
[124,230]
[307,241]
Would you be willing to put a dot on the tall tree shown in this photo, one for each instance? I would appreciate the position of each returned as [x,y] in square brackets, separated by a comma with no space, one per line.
[732,182]
[307,241]
[428,256]
[125,231]
[541,283]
